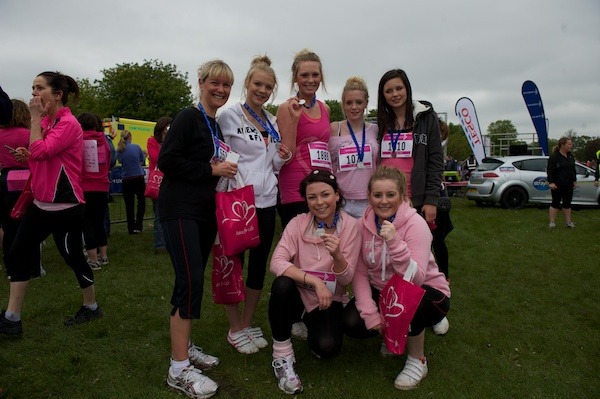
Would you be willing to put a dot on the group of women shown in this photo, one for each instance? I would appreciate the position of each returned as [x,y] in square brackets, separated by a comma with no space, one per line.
[347,220]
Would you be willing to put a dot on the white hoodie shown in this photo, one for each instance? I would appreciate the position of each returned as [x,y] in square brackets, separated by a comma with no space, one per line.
[258,163]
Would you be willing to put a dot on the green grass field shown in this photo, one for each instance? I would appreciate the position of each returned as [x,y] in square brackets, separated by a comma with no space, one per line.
[524,323]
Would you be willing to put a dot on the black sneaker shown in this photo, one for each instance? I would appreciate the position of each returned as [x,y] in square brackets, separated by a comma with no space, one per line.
[83,315]
[10,327]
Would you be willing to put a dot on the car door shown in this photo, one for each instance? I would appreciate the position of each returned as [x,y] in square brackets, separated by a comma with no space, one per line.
[584,192]
[533,174]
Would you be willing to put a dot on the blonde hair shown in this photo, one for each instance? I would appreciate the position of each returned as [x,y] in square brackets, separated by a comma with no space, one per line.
[214,69]
[303,56]
[125,137]
[393,174]
[355,83]
[260,63]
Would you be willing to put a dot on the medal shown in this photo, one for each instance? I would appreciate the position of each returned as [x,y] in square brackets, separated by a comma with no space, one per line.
[360,165]
[278,145]
[321,226]
[320,232]
[301,102]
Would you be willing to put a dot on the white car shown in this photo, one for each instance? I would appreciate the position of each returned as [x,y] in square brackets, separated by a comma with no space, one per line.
[515,181]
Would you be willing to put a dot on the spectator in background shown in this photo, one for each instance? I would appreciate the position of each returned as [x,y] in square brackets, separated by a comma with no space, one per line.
[154,143]
[304,125]
[597,175]
[113,161]
[354,147]
[95,186]
[13,134]
[55,157]
[562,179]
[133,159]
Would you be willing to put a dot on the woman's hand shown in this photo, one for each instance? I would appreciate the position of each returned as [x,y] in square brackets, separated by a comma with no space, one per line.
[552,186]
[323,294]
[284,152]
[332,244]
[21,154]
[37,109]
[226,169]
[388,231]
[295,109]
[430,212]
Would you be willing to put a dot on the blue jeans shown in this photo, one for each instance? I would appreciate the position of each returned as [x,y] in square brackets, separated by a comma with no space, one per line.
[159,238]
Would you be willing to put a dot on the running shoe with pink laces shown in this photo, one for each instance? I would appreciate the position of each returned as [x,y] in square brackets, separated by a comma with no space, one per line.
[287,379]
[193,383]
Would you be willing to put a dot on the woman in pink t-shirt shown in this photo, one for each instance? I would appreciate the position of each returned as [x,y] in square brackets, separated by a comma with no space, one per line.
[304,125]
[354,147]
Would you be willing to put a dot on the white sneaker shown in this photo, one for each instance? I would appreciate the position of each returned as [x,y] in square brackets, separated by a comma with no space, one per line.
[200,359]
[256,336]
[299,330]
[193,383]
[551,225]
[442,327]
[287,379]
[414,371]
[570,225]
[242,342]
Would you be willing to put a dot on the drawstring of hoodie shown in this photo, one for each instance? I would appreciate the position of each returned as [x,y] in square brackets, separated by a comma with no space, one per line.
[383,260]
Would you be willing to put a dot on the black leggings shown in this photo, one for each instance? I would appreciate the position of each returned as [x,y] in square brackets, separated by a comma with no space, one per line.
[258,256]
[133,188]
[564,193]
[288,211]
[325,329]
[432,309]
[95,209]
[66,227]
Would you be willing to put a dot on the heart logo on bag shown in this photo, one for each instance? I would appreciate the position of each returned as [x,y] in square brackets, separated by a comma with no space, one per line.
[225,266]
[243,211]
[393,307]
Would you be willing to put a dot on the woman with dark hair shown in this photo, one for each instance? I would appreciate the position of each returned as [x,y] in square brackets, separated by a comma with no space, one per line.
[95,186]
[562,179]
[55,157]
[409,134]
[13,174]
[132,159]
[153,146]
[314,261]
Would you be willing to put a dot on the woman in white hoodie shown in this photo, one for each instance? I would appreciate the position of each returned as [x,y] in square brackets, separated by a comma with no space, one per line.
[394,235]
[252,132]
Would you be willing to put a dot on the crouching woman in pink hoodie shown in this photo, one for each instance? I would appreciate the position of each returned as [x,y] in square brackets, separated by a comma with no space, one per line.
[314,261]
[392,227]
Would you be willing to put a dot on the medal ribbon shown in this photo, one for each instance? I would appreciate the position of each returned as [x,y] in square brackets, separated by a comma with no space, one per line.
[361,150]
[270,129]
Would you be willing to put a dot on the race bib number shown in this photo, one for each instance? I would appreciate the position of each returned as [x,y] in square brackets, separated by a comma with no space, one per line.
[348,158]
[319,155]
[404,146]
[222,151]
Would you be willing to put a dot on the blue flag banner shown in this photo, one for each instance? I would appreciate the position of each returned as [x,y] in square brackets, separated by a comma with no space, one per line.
[533,101]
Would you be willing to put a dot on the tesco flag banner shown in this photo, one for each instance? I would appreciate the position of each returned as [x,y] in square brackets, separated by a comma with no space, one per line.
[533,101]
[465,110]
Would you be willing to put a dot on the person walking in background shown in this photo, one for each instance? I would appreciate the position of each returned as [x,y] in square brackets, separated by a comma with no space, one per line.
[154,143]
[252,132]
[95,185]
[133,159]
[354,147]
[192,160]
[55,157]
[322,242]
[304,125]
[391,226]
[13,173]
[113,161]
[562,180]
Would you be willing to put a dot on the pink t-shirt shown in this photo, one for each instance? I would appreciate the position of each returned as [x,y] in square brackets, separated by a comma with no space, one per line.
[291,174]
[354,183]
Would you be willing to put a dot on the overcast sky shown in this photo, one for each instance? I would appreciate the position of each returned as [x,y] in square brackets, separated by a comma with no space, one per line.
[483,50]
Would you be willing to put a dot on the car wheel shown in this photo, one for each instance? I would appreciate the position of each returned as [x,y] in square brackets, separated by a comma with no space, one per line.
[484,204]
[514,198]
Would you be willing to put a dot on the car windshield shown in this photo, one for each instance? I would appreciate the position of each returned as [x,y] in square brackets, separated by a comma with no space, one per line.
[489,164]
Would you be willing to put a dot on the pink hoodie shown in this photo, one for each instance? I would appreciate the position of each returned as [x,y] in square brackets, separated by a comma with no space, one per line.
[412,241]
[300,247]
[56,161]
[97,181]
